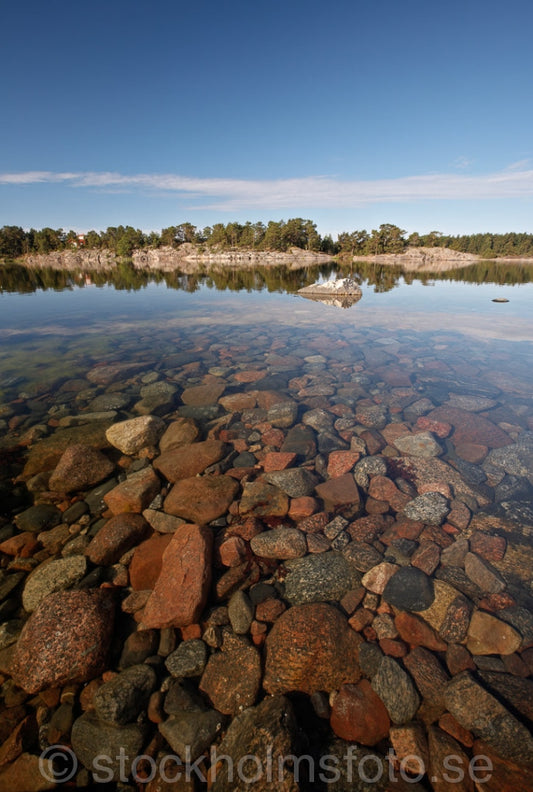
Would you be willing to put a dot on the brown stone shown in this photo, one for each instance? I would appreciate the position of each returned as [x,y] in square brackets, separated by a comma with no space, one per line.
[25,775]
[359,715]
[135,494]
[232,677]
[236,402]
[201,499]
[181,590]
[260,499]
[446,753]
[410,747]
[471,452]
[458,659]
[22,545]
[491,548]
[188,461]
[382,488]
[503,775]
[341,492]
[429,676]
[269,610]
[79,468]
[21,739]
[203,395]
[147,560]
[180,432]
[311,647]
[65,640]
[488,635]
[116,537]
[448,724]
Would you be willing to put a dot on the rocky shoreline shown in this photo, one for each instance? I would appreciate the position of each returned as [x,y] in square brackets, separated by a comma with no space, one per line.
[190,258]
[237,562]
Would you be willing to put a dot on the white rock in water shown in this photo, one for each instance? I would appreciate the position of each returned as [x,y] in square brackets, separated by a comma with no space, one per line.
[336,287]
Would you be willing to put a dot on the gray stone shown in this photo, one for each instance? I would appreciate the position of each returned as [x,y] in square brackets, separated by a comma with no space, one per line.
[296,482]
[157,398]
[370,657]
[320,578]
[319,420]
[91,738]
[283,415]
[51,576]
[367,467]
[240,612]
[486,717]
[430,508]
[362,555]
[268,733]
[480,573]
[422,444]
[189,734]
[188,660]
[110,401]
[120,700]
[300,440]
[396,690]
[409,589]
[38,518]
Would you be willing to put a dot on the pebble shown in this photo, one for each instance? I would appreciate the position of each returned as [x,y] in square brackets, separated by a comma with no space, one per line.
[133,435]
[431,508]
[321,577]
[396,690]
[283,543]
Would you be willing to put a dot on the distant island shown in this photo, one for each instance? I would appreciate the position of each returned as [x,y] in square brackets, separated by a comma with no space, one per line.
[294,242]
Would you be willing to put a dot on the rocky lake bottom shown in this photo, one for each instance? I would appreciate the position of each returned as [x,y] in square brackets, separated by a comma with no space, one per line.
[250,541]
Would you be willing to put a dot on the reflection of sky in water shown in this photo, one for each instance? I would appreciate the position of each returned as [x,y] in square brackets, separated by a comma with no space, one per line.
[442,304]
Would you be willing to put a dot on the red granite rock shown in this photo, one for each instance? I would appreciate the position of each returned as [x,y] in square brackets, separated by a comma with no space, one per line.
[470,427]
[269,610]
[232,677]
[201,499]
[426,557]
[382,488]
[135,494]
[249,376]
[359,715]
[65,640]
[341,462]
[278,460]
[440,428]
[22,545]
[181,590]
[145,566]
[302,507]
[491,548]
[187,461]
[80,467]
[311,647]
[232,551]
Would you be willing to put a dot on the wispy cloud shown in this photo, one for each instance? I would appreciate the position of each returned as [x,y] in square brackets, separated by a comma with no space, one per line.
[515,181]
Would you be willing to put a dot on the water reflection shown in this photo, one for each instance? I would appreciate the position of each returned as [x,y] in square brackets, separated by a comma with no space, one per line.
[17,279]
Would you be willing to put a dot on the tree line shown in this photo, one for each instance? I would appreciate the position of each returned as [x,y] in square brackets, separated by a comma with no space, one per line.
[278,235]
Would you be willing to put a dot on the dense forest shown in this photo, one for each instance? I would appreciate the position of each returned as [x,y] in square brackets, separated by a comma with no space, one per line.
[274,236]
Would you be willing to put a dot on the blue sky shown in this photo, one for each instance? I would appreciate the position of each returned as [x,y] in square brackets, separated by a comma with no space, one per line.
[351,113]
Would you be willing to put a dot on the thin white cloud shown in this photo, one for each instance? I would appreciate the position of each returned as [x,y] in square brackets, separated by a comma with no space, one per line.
[313,191]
